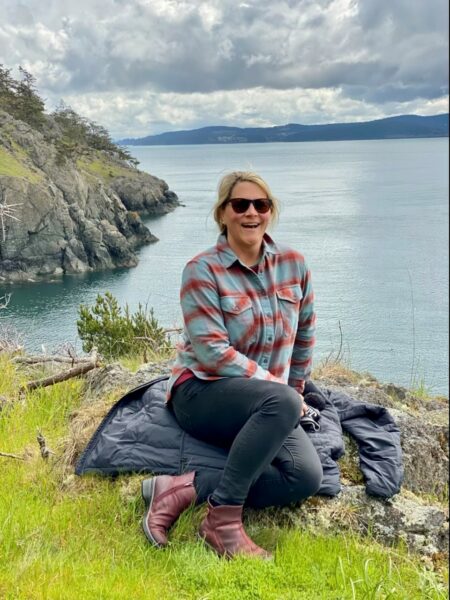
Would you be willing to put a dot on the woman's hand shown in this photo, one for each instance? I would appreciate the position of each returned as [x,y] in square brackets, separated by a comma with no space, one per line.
[304,406]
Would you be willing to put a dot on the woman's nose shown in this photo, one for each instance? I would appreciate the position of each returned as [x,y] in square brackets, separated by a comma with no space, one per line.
[251,210]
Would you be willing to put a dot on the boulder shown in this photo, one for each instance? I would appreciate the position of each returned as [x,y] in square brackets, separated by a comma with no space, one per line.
[405,518]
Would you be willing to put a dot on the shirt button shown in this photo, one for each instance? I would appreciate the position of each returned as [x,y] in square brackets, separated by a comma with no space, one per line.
[270,339]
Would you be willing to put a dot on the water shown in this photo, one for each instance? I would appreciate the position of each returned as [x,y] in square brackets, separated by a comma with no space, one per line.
[371,217]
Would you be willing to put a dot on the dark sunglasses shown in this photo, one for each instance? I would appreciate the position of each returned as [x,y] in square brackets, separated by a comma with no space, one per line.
[241,205]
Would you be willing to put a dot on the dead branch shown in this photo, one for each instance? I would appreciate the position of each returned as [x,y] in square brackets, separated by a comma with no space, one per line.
[7,211]
[8,455]
[4,301]
[58,377]
[33,360]
[45,450]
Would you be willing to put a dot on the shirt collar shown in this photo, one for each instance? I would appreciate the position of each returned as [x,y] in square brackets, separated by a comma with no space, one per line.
[228,257]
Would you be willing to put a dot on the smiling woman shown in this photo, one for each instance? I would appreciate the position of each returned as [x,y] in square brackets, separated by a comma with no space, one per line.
[240,373]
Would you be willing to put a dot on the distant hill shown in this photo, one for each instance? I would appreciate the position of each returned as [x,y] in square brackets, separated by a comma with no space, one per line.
[404,126]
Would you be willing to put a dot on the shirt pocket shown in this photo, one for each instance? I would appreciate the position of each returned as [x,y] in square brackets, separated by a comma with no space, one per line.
[289,298]
[238,317]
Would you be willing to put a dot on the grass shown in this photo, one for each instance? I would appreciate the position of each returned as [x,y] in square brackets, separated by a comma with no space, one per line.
[13,167]
[63,537]
[100,167]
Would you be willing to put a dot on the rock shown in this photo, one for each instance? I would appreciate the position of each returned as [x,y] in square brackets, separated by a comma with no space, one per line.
[72,217]
[424,434]
[423,528]
[145,193]
[425,454]
[113,376]
[414,517]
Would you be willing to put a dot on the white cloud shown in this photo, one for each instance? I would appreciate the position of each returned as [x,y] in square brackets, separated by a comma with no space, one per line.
[166,64]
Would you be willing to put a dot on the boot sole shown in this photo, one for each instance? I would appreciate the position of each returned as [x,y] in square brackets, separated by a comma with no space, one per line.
[228,555]
[148,492]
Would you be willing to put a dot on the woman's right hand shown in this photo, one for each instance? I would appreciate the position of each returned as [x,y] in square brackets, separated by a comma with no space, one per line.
[304,406]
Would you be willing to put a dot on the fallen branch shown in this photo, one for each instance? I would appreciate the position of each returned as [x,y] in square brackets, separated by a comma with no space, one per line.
[58,377]
[33,360]
[8,455]
[4,301]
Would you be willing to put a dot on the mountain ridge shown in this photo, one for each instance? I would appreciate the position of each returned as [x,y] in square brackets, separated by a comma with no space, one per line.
[401,126]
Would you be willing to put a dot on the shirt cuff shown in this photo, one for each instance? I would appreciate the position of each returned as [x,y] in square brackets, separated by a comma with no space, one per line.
[300,386]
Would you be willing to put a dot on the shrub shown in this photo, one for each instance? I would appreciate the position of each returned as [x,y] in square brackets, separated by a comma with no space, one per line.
[116,332]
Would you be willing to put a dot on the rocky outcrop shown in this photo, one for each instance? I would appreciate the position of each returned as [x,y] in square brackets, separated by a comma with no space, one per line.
[417,517]
[70,215]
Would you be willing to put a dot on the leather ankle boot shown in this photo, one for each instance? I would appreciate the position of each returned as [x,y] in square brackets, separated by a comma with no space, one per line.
[166,497]
[223,531]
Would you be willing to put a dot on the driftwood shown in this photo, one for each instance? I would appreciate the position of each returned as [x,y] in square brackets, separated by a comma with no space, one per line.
[80,369]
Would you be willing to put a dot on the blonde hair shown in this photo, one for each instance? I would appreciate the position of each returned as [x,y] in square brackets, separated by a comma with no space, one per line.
[225,188]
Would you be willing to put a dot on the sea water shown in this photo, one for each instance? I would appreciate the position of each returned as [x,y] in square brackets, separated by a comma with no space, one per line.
[371,218]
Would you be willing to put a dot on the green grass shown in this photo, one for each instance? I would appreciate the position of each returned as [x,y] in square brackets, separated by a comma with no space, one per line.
[62,537]
[11,165]
[100,167]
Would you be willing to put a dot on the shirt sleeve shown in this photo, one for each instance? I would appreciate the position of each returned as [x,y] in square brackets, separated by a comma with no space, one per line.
[205,327]
[301,362]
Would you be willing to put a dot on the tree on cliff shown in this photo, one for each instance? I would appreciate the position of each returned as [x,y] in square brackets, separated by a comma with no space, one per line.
[20,98]
[79,132]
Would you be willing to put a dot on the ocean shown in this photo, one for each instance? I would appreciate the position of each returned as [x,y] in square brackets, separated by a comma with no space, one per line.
[371,218]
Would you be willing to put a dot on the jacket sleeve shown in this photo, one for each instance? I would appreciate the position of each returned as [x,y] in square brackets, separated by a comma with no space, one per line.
[205,327]
[302,353]
[378,439]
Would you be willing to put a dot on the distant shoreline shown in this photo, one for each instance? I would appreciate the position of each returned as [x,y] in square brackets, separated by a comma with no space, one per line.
[400,127]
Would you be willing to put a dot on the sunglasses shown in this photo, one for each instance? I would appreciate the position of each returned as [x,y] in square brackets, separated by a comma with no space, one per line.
[241,205]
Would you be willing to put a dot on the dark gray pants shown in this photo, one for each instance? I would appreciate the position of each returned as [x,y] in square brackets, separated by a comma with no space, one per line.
[269,462]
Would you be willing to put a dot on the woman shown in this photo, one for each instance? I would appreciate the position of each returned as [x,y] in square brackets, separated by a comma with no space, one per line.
[240,372]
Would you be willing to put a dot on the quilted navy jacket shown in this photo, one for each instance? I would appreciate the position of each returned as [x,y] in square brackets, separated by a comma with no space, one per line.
[140,434]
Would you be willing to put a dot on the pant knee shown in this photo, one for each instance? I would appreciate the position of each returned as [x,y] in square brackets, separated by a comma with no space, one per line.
[314,477]
[309,478]
[284,402]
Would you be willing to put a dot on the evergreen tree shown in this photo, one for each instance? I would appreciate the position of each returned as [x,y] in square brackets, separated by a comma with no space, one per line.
[29,107]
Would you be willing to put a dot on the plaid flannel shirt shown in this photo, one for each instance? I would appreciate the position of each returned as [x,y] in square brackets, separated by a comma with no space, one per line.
[247,322]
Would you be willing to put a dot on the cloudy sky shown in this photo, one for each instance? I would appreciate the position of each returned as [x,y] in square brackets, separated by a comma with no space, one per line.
[142,67]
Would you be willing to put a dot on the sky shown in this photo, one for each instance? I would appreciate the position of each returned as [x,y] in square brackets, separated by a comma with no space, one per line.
[142,67]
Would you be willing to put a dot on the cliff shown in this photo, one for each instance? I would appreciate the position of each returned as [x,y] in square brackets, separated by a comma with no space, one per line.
[69,211]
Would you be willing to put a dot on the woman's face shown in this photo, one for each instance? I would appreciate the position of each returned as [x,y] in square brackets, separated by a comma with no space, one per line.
[245,231]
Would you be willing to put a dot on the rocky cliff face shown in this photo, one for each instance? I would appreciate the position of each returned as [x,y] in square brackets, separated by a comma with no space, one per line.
[69,215]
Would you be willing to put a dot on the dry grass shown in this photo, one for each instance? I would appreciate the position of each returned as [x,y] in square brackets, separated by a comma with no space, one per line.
[82,425]
[337,372]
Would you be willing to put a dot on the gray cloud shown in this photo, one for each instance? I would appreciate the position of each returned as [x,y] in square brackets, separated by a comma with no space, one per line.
[377,53]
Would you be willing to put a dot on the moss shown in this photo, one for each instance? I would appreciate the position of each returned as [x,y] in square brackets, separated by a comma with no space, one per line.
[100,167]
[11,166]
[349,463]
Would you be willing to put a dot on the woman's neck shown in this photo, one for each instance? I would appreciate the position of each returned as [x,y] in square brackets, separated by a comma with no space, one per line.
[248,256]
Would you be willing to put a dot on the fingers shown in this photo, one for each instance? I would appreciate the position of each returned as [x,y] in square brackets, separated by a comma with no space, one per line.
[304,407]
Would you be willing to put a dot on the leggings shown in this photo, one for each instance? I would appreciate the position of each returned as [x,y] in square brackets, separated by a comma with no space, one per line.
[271,462]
